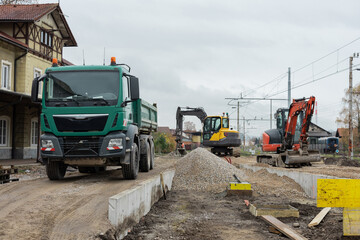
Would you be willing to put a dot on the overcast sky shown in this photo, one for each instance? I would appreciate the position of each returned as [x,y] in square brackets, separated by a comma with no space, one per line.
[197,53]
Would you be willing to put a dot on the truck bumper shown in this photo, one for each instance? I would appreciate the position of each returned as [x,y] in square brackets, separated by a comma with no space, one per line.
[84,147]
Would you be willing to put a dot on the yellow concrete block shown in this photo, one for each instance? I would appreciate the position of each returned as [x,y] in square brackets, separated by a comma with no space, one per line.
[351,222]
[338,193]
[240,186]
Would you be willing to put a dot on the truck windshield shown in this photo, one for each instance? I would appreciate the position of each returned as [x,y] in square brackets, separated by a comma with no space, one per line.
[82,88]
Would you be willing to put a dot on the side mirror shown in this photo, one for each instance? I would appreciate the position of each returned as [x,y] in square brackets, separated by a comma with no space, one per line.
[134,88]
[35,90]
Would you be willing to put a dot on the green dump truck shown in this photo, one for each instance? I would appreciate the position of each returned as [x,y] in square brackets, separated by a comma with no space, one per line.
[93,117]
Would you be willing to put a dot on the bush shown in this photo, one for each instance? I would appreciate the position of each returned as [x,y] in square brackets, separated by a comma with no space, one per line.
[163,143]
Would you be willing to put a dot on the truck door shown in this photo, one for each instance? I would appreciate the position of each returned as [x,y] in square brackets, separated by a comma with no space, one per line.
[128,117]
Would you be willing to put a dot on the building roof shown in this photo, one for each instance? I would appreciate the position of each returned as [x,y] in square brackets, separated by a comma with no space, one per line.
[164,130]
[7,38]
[317,131]
[344,132]
[67,63]
[33,12]
[26,12]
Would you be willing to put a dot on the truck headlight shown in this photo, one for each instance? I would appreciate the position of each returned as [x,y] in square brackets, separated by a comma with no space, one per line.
[47,144]
[115,144]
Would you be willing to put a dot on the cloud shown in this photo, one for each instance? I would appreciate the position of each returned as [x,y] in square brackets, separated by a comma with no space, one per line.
[196,53]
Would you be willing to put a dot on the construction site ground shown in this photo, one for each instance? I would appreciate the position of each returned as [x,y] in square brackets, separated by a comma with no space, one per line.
[196,208]
[73,208]
[316,168]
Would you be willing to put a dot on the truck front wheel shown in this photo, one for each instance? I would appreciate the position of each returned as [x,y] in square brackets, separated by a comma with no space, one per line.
[55,170]
[145,159]
[130,171]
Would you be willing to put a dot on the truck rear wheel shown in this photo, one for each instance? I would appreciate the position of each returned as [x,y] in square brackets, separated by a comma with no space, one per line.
[145,159]
[152,155]
[55,170]
[130,171]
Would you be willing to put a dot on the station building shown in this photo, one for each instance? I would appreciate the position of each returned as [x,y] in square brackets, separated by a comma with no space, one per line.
[30,36]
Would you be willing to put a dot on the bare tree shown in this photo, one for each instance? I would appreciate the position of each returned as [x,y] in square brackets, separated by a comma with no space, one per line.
[343,119]
[6,2]
[189,127]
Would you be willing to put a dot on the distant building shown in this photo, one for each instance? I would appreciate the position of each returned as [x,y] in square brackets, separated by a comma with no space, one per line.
[343,135]
[315,132]
[30,36]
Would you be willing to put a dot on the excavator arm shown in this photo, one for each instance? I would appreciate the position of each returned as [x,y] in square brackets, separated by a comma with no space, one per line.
[298,106]
[187,111]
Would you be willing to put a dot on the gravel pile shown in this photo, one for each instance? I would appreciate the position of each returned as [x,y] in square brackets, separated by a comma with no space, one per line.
[201,170]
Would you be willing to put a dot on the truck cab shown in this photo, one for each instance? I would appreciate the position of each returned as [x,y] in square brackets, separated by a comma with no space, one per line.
[93,117]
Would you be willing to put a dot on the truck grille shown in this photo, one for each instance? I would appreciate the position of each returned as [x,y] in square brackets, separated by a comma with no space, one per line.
[80,122]
[81,146]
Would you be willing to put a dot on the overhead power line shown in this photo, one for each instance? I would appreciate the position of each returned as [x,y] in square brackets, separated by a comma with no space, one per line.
[336,50]
[282,75]
[315,80]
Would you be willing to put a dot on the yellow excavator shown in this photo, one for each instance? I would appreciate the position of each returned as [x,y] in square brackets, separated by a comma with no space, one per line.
[216,131]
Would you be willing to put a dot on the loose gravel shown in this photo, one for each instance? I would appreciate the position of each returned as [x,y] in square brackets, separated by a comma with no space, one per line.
[201,170]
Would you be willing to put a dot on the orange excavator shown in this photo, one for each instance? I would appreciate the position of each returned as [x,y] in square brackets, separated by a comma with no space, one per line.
[289,154]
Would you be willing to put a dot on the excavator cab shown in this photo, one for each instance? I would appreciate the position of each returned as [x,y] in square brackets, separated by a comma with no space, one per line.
[218,136]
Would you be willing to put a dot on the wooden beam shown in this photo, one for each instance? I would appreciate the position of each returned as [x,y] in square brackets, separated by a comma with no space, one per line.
[319,217]
[282,227]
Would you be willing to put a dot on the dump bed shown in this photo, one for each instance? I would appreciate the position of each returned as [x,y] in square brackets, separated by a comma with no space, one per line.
[145,116]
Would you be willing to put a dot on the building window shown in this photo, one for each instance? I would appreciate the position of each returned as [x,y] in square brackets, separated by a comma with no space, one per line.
[34,131]
[5,74]
[46,38]
[37,73]
[4,131]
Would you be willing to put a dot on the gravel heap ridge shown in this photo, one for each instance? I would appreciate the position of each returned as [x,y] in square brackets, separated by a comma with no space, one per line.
[201,170]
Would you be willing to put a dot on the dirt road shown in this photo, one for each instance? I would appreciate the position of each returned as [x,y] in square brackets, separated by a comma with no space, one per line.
[74,208]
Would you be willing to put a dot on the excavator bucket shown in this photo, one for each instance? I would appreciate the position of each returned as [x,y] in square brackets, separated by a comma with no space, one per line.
[182,151]
[291,158]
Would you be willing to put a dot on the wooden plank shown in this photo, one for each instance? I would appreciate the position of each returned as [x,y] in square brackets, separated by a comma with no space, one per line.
[163,185]
[351,221]
[338,193]
[282,227]
[317,220]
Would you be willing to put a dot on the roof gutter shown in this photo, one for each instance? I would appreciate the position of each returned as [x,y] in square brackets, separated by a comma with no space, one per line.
[13,43]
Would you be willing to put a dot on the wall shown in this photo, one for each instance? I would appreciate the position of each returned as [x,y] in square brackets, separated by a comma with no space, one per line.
[25,74]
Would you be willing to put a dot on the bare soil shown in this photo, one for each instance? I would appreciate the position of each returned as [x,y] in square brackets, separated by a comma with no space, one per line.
[204,215]
[74,208]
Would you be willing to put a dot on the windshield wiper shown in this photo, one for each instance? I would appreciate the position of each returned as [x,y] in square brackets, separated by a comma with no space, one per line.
[100,99]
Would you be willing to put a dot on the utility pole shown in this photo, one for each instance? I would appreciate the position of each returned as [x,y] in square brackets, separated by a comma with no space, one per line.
[244,133]
[351,154]
[289,86]
[270,113]
[237,119]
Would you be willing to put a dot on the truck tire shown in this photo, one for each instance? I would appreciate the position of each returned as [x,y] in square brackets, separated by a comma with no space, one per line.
[152,155]
[55,170]
[130,171]
[145,159]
